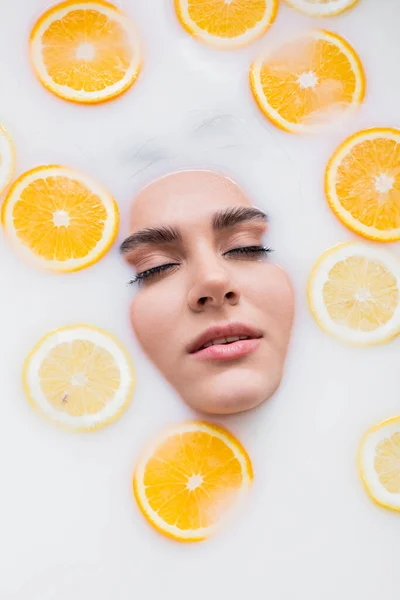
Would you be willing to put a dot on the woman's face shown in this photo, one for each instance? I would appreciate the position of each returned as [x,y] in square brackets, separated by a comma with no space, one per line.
[196,245]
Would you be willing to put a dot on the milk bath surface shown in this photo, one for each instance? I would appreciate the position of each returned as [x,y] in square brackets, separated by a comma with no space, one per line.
[80,532]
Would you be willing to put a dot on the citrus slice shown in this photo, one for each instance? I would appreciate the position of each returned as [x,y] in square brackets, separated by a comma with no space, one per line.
[226,23]
[379,463]
[85,51]
[321,8]
[354,293]
[362,183]
[80,377]
[60,219]
[7,159]
[308,83]
[191,479]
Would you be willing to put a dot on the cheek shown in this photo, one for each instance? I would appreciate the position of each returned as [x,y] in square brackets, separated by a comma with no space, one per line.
[145,319]
[153,320]
[276,299]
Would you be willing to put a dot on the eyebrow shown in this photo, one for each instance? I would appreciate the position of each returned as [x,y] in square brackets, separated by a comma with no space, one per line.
[221,220]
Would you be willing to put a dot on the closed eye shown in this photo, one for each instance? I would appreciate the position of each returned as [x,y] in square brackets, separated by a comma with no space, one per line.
[246,251]
[250,250]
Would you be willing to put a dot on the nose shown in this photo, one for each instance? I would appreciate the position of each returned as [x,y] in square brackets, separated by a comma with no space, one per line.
[213,286]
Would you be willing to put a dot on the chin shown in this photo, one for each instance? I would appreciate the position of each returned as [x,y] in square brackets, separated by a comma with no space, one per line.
[230,394]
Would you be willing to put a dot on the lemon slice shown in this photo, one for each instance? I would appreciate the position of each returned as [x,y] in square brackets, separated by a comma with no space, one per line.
[379,463]
[80,377]
[86,51]
[354,293]
[226,24]
[321,8]
[60,219]
[309,83]
[362,183]
[7,159]
[191,479]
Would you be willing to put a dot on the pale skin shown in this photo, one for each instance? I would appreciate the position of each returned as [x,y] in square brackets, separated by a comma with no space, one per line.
[213,273]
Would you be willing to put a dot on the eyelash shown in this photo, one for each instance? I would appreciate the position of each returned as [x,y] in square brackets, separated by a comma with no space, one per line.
[249,250]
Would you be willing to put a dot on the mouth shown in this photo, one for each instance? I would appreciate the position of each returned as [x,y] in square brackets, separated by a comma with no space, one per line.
[226,342]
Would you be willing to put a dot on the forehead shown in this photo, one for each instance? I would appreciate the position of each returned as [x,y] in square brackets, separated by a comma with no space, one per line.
[185,197]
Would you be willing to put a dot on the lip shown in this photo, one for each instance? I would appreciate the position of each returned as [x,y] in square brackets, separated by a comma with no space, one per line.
[226,351]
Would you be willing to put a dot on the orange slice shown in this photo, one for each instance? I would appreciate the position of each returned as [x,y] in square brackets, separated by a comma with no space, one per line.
[7,159]
[60,219]
[226,23]
[191,479]
[85,51]
[362,183]
[379,463]
[307,84]
[321,8]
[80,377]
